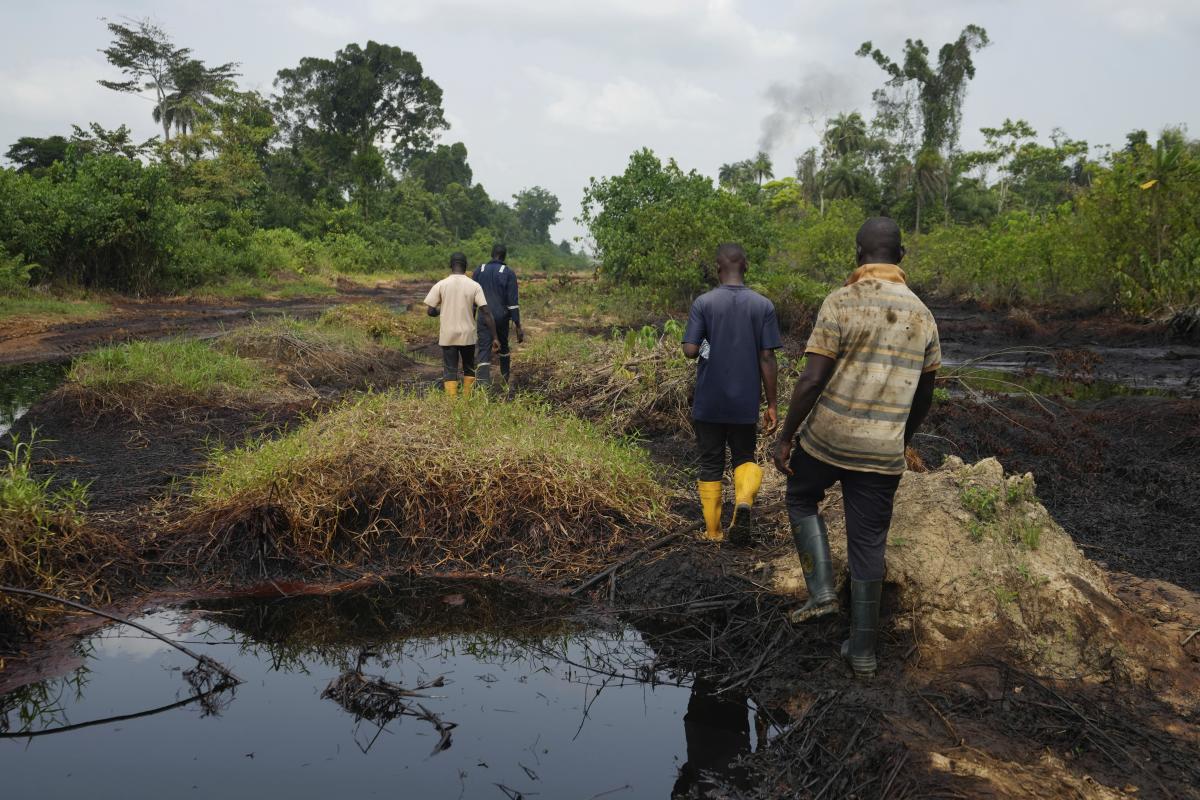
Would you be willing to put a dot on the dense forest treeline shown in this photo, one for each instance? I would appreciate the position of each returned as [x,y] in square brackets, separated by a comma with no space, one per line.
[340,169]
[1020,220]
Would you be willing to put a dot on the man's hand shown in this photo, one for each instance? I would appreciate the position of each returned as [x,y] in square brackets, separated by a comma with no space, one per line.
[520,335]
[783,455]
[495,345]
[770,420]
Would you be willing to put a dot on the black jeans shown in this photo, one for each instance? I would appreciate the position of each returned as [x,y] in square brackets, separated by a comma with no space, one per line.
[867,498]
[452,355]
[711,440]
[483,350]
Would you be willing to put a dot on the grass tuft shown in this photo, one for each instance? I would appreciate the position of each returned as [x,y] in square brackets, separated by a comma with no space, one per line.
[427,484]
[140,376]
[45,543]
[636,382]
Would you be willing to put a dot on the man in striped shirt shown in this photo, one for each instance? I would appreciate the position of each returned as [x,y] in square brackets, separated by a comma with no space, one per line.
[868,383]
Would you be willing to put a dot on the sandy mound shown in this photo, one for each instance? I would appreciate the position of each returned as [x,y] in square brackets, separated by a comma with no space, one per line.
[977,568]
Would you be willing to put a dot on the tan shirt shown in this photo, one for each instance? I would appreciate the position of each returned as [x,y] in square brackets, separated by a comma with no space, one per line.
[457,296]
[883,338]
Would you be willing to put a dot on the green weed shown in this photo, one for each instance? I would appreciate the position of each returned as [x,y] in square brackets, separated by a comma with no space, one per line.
[981,502]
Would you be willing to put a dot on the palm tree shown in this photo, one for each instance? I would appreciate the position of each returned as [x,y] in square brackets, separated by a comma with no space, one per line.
[846,134]
[195,88]
[761,167]
[929,179]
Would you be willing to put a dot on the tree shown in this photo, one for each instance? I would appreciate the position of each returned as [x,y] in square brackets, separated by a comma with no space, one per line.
[846,134]
[537,209]
[34,154]
[441,167]
[98,140]
[362,98]
[195,89]
[146,55]
[762,167]
[938,94]
[658,226]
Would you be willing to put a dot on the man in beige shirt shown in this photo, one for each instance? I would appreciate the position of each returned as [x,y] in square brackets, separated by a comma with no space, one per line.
[455,300]
[866,387]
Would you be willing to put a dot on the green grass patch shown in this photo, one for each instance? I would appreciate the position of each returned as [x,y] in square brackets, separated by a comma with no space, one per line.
[31,305]
[141,375]
[431,482]
[45,544]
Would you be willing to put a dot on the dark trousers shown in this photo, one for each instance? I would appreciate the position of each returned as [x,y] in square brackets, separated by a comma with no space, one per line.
[452,355]
[711,440]
[483,350]
[867,498]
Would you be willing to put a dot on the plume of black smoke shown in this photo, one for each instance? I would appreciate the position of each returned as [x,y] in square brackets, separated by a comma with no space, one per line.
[817,95]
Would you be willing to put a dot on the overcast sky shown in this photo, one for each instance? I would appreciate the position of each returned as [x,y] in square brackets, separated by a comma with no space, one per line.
[552,92]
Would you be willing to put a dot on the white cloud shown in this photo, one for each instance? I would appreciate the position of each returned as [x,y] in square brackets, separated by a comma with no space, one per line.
[325,23]
[648,24]
[47,90]
[622,104]
[1147,17]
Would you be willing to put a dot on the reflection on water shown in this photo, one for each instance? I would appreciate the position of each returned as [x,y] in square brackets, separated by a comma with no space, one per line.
[422,690]
[21,386]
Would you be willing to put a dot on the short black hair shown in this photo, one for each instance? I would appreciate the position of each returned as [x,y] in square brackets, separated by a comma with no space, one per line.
[732,252]
[879,237]
[499,252]
[458,260]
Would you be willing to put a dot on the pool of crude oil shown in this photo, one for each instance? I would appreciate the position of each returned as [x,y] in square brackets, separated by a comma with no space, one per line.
[426,691]
[23,385]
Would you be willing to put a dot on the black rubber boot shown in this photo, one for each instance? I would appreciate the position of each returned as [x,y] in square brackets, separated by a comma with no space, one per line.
[859,649]
[812,545]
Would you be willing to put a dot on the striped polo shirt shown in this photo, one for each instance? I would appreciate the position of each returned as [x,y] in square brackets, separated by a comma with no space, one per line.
[883,338]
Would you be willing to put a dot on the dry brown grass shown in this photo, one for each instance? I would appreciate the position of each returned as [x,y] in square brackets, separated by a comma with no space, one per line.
[425,484]
[316,355]
[639,383]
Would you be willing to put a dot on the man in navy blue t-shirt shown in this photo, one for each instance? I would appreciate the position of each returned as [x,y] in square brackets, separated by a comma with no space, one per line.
[733,332]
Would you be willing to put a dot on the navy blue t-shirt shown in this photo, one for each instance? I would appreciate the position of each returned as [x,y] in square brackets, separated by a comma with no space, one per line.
[737,323]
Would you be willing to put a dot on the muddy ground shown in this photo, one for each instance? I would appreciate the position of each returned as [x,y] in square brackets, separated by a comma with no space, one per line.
[27,340]
[1117,473]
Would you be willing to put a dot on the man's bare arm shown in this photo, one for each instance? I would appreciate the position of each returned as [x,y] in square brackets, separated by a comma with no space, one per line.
[691,350]
[817,372]
[768,366]
[922,402]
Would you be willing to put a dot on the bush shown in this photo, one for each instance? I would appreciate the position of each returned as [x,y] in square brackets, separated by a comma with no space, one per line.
[427,484]
[101,221]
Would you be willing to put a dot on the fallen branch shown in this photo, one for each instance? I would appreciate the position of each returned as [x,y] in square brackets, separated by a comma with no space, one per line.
[203,660]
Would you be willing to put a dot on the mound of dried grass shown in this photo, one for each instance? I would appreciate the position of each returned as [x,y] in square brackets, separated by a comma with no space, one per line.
[381,323]
[638,383]
[426,484]
[47,546]
[313,355]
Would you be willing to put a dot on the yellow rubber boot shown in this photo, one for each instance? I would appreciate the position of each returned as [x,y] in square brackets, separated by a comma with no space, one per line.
[451,387]
[747,480]
[468,385]
[710,504]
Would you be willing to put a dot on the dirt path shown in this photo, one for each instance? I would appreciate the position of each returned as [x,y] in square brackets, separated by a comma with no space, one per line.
[26,340]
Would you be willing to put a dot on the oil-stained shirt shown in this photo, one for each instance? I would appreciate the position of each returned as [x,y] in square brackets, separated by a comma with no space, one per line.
[883,338]
[457,296]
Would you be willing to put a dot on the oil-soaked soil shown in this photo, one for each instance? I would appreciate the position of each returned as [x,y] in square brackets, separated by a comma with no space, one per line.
[154,319]
[1116,473]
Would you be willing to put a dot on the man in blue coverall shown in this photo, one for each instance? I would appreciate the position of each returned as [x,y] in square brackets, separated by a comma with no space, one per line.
[499,284]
